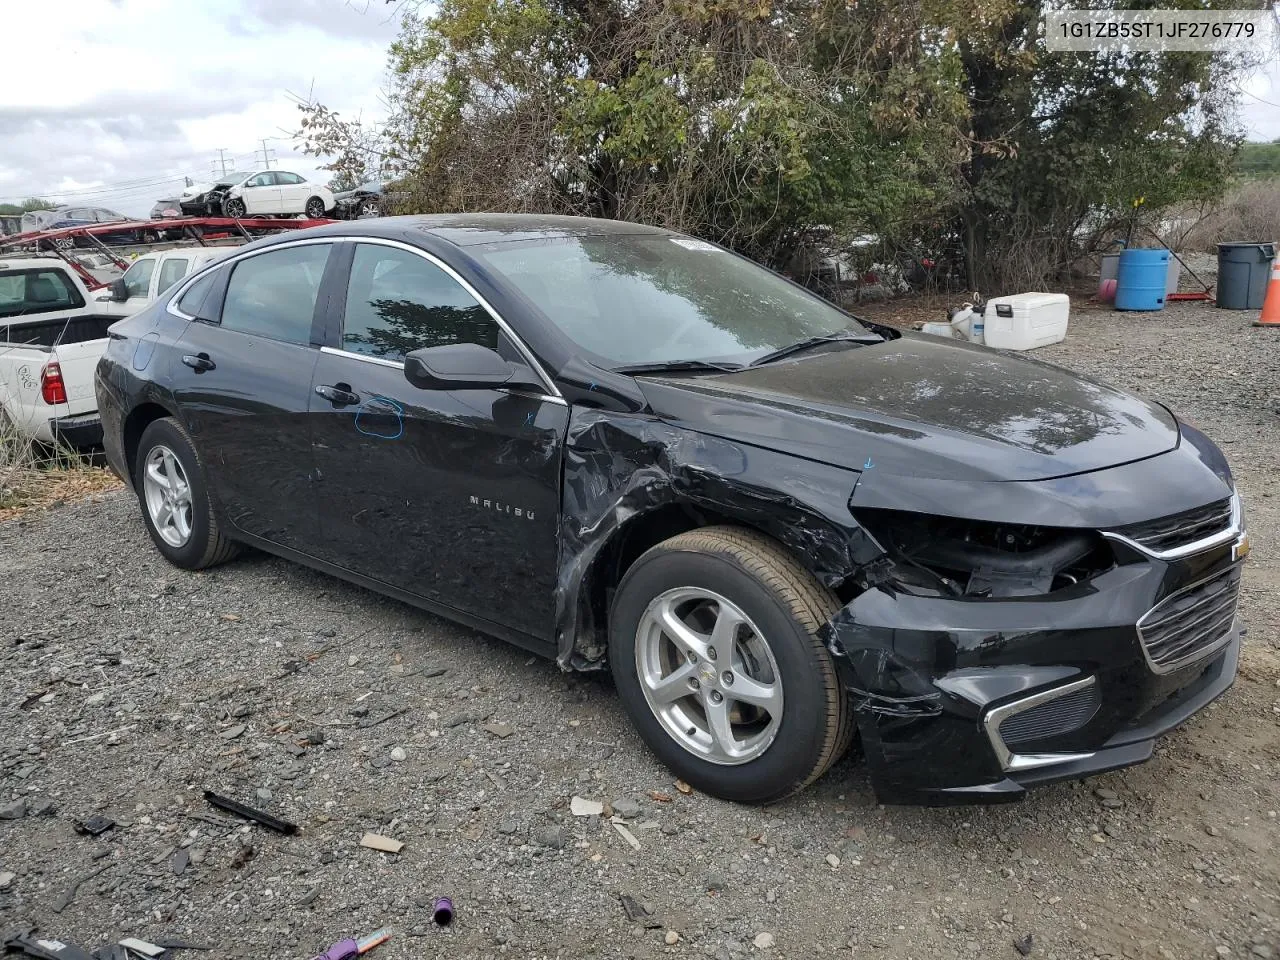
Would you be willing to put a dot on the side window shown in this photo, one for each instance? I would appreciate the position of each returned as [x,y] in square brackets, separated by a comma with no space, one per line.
[261,180]
[398,302]
[137,279]
[274,294]
[171,271]
[193,299]
[290,179]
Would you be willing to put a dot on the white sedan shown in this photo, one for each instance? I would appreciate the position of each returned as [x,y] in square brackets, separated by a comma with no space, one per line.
[277,193]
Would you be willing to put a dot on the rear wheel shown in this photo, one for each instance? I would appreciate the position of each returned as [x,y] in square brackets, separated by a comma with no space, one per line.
[171,488]
[714,648]
[314,208]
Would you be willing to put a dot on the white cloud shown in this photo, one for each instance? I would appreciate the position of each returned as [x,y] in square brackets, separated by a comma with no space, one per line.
[134,95]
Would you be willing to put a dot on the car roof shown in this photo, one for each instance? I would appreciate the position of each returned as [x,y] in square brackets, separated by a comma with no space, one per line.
[469,229]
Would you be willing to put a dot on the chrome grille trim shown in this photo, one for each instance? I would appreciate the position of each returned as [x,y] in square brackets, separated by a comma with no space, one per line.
[1174,634]
[1200,519]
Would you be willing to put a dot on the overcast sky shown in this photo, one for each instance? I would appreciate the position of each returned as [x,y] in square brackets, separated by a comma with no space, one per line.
[113,102]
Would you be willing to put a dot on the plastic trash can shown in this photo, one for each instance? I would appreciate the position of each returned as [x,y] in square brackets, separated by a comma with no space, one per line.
[1243,272]
[1142,278]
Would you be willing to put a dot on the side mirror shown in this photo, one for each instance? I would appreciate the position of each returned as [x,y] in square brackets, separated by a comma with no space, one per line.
[119,292]
[465,366]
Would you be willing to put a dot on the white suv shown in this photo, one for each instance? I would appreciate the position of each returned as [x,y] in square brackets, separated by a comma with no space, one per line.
[277,193]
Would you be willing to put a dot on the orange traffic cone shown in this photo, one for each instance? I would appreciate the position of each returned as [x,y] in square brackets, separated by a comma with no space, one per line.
[1270,316]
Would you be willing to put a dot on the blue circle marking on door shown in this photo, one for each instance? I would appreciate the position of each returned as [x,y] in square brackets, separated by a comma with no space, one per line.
[376,413]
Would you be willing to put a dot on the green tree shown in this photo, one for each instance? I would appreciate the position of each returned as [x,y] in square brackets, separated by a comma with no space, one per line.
[26,206]
[1259,160]
[1062,144]
[762,124]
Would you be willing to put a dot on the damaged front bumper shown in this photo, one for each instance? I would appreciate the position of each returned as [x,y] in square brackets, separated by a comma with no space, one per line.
[964,700]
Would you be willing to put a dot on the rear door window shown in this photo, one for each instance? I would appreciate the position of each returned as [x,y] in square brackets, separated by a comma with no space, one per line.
[274,294]
[398,301]
[191,301]
[171,271]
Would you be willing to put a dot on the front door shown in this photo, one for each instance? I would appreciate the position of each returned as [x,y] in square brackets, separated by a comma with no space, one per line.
[261,195]
[450,495]
[242,380]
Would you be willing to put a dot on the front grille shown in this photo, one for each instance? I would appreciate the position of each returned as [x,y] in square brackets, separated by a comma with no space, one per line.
[1191,623]
[1180,529]
[1052,719]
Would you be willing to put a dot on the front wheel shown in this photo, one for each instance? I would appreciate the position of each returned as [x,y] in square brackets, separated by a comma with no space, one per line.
[714,649]
[314,208]
[233,207]
[171,488]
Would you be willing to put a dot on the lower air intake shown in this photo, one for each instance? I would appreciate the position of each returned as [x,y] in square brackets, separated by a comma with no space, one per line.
[1052,719]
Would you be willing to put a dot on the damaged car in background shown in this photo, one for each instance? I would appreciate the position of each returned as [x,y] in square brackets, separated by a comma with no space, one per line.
[781,528]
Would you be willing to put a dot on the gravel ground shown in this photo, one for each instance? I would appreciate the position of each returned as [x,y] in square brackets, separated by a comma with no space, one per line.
[129,687]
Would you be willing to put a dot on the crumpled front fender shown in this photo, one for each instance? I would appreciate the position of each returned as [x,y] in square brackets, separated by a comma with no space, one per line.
[621,467]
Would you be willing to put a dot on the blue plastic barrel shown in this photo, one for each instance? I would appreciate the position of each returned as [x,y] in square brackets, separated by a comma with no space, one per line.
[1142,279]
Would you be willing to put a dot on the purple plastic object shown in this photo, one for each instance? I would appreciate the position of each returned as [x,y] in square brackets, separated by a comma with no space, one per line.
[442,911]
[342,950]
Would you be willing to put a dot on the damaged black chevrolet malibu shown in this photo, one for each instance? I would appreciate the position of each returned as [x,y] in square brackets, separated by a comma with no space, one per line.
[783,529]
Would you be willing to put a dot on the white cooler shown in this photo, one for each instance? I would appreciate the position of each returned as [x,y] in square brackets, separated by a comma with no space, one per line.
[1024,321]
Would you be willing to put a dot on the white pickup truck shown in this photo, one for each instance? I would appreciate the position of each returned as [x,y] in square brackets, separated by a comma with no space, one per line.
[51,337]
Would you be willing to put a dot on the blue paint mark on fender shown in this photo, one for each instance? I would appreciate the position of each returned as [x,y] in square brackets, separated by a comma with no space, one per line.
[373,418]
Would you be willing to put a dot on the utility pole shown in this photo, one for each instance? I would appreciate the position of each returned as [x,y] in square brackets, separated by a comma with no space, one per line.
[222,159]
[267,155]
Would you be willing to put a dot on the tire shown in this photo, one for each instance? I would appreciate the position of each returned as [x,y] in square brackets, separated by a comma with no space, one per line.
[784,607]
[233,207]
[205,544]
[313,208]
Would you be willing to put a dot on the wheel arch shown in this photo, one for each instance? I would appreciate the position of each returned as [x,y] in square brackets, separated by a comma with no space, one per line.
[616,553]
[139,418]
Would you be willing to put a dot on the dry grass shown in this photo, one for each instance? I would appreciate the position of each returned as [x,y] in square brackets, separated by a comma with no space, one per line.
[1249,213]
[34,477]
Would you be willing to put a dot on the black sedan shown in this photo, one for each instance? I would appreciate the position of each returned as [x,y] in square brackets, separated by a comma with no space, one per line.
[781,528]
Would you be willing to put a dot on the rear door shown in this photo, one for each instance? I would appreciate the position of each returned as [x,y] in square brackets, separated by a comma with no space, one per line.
[242,376]
[452,496]
[294,192]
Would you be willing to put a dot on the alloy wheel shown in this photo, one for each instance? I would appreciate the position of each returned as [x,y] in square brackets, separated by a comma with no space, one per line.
[168,496]
[709,676]
[315,208]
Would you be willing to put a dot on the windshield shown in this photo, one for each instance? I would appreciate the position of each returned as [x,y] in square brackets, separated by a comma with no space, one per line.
[643,299]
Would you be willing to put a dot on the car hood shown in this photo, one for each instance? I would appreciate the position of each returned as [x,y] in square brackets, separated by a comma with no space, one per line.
[922,407]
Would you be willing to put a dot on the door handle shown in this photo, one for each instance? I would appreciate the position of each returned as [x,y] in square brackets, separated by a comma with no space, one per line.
[339,396]
[199,363]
